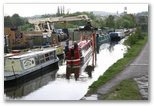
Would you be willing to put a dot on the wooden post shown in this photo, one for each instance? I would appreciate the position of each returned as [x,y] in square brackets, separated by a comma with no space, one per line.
[80,36]
[93,46]
[94,56]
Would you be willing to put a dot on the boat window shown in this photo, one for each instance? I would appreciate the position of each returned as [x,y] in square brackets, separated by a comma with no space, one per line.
[47,57]
[51,55]
[54,54]
[42,59]
[37,60]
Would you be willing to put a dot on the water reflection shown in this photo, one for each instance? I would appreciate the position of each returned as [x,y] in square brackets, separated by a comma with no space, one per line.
[79,70]
[112,44]
[20,90]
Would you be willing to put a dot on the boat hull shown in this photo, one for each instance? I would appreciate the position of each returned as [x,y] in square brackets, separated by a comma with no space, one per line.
[11,80]
[61,56]
[80,61]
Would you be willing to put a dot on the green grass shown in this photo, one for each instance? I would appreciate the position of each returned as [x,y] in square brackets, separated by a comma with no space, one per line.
[119,65]
[126,90]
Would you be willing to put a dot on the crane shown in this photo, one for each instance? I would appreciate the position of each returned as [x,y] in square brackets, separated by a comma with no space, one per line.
[47,24]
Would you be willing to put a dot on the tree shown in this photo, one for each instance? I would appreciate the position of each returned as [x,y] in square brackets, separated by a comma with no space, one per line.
[16,20]
[63,10]
[143,24]
[131,19]
[102,23]
[7,21]
[58,11]
[110,21]
[126,23]
[46,15]
[118,23]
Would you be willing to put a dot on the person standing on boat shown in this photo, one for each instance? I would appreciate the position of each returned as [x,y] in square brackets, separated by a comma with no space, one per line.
[74,51]
[75,45]
[97,43]
[66,47]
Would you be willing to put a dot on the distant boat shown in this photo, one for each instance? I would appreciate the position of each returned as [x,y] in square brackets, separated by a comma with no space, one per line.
[116,36]
[100,39]
[103,39]
[79,53]
[21,65]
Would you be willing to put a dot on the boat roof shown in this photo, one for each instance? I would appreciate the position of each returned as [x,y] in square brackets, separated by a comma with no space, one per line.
[32,53]
[83,43]
[115,32]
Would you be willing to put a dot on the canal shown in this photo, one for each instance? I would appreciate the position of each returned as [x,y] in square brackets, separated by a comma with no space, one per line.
[67,83]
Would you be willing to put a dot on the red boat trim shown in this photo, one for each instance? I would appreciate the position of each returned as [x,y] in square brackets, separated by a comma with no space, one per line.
[73,60]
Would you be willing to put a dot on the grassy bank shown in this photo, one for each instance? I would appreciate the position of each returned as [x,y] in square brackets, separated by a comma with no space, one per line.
[120,64]
[126,90]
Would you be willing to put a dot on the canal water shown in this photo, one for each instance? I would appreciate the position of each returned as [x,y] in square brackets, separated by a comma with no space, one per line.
[67,83]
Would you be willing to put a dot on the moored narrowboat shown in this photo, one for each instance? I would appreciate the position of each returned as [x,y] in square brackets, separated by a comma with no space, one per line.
[100,39]
[116,36]
[79,53]
[23,64]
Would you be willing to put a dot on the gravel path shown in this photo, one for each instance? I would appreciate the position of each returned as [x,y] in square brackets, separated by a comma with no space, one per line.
[137,70]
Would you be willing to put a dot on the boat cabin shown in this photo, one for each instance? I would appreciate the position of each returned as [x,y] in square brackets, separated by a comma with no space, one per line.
[22,64]
[79,53]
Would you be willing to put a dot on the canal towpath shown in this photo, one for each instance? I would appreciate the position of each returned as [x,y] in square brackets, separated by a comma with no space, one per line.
[137,69]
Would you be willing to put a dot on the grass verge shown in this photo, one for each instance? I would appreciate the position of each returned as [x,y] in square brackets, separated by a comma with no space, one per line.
[119,65]
[126,90]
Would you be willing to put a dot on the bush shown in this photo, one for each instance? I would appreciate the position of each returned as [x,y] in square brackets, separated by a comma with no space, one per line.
[134,37]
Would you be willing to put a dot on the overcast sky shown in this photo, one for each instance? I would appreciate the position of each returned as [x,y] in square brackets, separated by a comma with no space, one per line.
[39,9]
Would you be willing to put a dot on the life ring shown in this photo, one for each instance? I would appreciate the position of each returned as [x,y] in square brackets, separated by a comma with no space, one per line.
[54,40]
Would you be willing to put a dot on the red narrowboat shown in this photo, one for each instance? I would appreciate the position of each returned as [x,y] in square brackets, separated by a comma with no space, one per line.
[79,53]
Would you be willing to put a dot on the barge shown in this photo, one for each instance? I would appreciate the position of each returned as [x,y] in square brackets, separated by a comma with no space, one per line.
[20,65]
[79,53]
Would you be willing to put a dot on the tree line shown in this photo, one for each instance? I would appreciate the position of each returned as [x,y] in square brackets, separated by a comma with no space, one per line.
[16,21]
[111,22]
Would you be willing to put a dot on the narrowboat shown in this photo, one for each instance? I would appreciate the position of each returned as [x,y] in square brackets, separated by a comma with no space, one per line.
[79,53]
[103,38]
[20,65]
[100,39]
[60,51]
[116,36]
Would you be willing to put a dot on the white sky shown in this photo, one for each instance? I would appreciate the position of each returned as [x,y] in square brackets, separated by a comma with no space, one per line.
[39,9]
